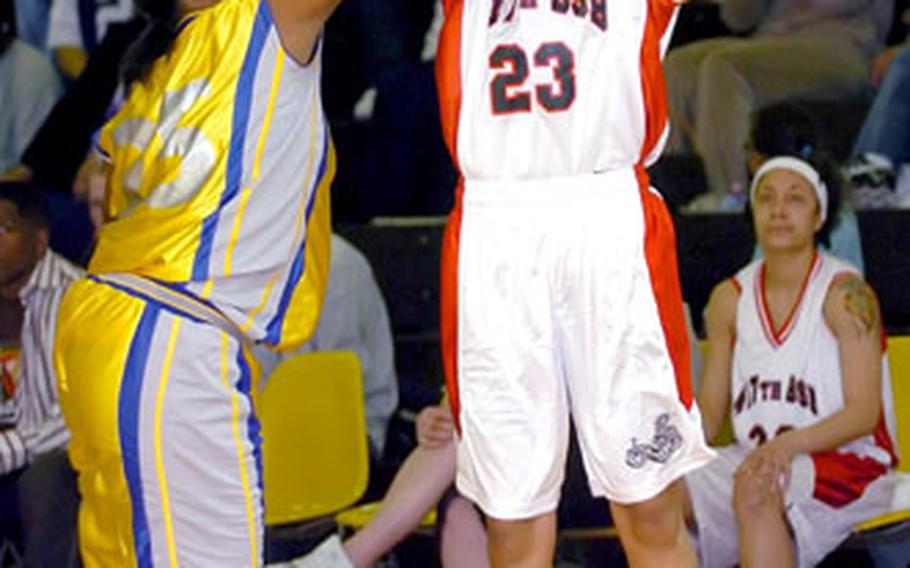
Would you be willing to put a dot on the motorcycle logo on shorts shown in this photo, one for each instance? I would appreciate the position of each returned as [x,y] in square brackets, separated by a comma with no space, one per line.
[666,441]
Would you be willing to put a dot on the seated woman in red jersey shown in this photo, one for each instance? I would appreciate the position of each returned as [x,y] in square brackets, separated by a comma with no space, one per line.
[795,356]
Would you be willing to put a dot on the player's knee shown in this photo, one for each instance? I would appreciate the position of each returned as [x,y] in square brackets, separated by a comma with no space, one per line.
[755,496]
[657,521]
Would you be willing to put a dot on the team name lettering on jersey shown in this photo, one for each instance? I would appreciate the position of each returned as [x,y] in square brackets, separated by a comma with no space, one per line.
[595,10]
[795,391]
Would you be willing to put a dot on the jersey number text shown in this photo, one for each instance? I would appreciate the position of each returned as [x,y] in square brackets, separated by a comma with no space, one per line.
[508,89]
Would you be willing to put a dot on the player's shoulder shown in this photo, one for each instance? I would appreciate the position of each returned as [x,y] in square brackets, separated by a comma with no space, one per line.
[722,304]
[846,285]
[851,304]
[727,292]
[843,278]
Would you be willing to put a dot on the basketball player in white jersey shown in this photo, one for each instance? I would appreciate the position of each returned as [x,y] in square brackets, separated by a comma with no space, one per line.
[796,357]
[560,290]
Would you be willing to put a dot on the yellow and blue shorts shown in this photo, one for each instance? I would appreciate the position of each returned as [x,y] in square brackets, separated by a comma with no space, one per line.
[164,436]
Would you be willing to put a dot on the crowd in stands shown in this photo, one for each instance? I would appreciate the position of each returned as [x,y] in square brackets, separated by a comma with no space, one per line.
[735,101]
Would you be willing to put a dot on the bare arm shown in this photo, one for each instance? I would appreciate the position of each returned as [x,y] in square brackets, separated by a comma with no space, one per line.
[299,24]
[851,312]
[720,324]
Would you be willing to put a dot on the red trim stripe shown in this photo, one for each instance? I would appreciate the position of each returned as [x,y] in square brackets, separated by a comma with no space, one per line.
[777,336]
[448,293]
[841,479]
[653,87]
[448,74]
[448,84]
[762,312]
[660,252]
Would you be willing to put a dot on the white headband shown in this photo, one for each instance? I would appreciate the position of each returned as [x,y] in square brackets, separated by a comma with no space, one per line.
[801,167]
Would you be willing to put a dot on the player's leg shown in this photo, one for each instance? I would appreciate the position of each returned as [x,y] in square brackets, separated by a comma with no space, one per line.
[707,495]
[626,350]
[764,536]
[653,532]
[164,438]
[96,327]
[523,543]
[509,401]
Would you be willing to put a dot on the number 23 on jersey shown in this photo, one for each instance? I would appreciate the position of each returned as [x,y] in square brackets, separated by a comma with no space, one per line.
[513,91]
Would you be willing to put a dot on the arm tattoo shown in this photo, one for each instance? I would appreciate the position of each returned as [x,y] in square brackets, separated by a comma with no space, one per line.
[859,302]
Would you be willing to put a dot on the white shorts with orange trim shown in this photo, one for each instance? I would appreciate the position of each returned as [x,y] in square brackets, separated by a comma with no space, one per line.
[816,526]
[560,309]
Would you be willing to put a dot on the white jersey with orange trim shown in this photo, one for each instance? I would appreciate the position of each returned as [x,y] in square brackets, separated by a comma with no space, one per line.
[543,88]
[791,378]
[560,294]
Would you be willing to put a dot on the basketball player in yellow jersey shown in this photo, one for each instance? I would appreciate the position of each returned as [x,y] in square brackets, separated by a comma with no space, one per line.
[216,235]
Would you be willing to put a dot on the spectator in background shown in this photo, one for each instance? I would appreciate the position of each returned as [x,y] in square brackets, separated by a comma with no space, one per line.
[54,155]
[785,129]
[883,143]
[37,484]
[354,318]
[29,87]
[382,102]
[818,49]
[77,26]
[56,152]
[32,17]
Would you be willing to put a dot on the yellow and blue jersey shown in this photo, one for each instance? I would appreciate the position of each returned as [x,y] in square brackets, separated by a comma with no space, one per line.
[222,162]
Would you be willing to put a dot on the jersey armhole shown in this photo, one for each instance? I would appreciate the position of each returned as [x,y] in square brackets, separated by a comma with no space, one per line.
[296,64]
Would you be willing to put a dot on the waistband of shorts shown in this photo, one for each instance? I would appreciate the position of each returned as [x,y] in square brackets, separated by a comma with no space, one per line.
[555,187]
[182,302]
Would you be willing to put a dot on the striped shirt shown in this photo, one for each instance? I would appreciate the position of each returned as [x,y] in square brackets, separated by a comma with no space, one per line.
[38,424]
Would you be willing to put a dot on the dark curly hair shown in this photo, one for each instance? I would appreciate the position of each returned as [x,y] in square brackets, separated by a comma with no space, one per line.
[155,40]
[29,201]
[786,129]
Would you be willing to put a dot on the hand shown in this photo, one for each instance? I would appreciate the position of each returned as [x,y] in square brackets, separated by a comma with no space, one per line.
[773,458]
[91,185]
[435,426]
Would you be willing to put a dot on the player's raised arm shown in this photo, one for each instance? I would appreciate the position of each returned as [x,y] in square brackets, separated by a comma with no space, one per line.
[300,23]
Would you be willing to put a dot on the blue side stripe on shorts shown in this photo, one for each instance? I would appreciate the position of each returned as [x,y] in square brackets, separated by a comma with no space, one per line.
[128,409]
[244,385]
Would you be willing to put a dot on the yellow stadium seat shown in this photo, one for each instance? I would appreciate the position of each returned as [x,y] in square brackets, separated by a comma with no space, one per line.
[315,449]
[899,365]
